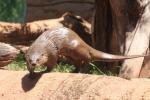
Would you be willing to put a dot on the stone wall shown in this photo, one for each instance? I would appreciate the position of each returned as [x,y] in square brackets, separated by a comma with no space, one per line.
[45,9]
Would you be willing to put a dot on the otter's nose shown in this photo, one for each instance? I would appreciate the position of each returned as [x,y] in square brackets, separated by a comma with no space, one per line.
[33,64]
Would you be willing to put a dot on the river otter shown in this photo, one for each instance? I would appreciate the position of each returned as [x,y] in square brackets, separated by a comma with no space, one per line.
[62,41]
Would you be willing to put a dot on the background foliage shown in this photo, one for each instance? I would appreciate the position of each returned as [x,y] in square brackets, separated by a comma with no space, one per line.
[12,10]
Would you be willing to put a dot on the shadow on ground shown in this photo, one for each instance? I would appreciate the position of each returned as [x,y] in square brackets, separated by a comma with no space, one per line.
[29,83]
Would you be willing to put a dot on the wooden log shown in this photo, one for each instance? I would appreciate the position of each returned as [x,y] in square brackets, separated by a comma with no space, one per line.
[66,86]
[9,32]
[7,54]
[17,33]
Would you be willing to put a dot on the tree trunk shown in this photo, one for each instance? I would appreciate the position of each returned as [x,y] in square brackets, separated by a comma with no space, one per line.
[137,42]
[102,27]
[124,32]
[110,24]
[63,86]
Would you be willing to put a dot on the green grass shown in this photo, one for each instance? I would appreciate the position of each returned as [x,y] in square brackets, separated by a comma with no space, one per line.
[20,64]
[95,70]
[62,67]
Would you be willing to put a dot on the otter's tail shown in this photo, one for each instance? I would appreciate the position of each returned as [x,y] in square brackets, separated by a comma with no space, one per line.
[102,56]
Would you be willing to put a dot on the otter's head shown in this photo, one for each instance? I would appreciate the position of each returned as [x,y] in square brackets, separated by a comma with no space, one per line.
[35,58]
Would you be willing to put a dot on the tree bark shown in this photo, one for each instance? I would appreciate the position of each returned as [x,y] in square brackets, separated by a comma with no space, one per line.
[100,26]
[126,32]
[110,24]
[63,86]
[17,33]
[137,42]
[120,24]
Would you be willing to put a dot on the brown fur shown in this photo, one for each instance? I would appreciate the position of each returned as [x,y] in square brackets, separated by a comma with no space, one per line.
[64,42]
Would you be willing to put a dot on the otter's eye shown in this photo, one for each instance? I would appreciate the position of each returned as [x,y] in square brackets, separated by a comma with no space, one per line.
[38,60]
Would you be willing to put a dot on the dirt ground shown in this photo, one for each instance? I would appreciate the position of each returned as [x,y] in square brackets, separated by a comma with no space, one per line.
[16,85]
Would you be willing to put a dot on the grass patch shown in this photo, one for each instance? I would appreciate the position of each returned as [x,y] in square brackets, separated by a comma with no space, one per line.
[95,69]
[62,67]
[20,64]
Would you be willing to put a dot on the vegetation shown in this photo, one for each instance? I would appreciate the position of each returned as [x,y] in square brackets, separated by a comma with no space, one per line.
[12,10]
[20,64]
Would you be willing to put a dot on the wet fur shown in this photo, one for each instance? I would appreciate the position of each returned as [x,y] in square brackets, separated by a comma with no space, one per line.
[63,42]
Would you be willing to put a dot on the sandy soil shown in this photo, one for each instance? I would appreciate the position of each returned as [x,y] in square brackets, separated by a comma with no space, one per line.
[16,85]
